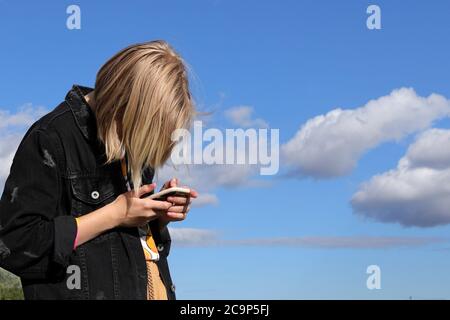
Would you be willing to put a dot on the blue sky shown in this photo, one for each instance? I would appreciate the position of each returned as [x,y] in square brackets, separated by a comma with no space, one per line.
[289,62]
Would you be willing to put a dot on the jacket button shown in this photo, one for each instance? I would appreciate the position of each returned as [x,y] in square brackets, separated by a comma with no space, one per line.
[160,247]
[172,287]
[95,195]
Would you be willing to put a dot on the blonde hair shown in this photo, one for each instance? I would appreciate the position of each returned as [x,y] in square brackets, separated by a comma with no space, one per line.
[145,89]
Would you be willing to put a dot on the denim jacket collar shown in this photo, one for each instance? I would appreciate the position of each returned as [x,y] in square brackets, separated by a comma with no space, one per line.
[84,115]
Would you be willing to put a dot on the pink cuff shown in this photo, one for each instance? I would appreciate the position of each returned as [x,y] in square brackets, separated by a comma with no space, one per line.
[75,243]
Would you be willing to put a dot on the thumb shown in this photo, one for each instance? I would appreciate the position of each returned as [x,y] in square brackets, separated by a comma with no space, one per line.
[173,182]
[146,188]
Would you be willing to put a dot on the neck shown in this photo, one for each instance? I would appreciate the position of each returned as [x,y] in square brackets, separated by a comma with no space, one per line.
[90,99]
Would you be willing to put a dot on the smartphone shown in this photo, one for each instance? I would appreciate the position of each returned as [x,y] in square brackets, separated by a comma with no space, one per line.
[169,192]
[175,192]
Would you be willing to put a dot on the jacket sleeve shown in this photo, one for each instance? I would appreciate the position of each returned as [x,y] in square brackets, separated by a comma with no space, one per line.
[36,238]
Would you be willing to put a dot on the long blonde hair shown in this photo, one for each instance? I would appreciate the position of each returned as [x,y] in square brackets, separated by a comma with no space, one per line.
[145,88]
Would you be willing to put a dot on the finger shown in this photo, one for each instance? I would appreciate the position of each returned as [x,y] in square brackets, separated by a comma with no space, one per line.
[179,209]
[165,185]
[174,182]
[194,193]
[157,205]
[146,189]
[178,200]
[176,216]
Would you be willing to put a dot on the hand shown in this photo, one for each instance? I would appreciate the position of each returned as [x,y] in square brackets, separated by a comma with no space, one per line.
[132,211]
[178,209]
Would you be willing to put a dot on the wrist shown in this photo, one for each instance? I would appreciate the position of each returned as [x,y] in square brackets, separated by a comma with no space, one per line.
[116,212]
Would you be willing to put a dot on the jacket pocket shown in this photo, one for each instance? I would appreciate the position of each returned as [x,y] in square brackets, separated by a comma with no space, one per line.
[90,193]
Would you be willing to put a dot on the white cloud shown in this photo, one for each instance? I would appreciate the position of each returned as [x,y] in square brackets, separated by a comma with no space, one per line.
[430,150]
[24,117]
[192,237]
[339,242]
[8,147]
[417,192]
[205,199]
[210,177]
[12,129]
[330,145]
[206,179]
[243,116]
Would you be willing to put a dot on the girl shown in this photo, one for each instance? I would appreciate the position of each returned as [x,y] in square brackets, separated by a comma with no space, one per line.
[75,222]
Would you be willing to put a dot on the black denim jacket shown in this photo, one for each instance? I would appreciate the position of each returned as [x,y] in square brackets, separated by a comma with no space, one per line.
[57,175]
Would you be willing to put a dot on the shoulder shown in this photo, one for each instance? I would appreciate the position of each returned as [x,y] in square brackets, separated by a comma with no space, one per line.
[44,133]
[53,125]
[56,120]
